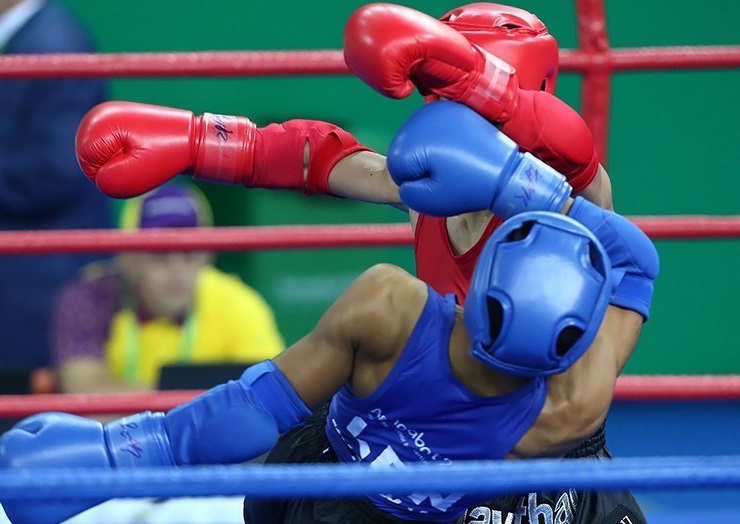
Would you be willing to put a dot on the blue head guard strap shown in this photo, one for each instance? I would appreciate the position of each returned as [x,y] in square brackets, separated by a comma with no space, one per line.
[538,295]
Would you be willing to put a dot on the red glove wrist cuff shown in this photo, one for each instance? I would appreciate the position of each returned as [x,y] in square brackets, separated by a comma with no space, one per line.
[280,150]
[224,148]
[328,145]
[232,150]
[494,92]
[583,178]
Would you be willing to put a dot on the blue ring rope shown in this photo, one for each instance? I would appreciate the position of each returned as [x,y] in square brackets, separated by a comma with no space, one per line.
[343,480]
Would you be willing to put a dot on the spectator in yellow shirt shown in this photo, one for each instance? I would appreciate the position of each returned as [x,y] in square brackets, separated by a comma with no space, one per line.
[119,324]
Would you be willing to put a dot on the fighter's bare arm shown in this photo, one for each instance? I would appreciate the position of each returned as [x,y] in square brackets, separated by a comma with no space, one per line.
[578,400]
[364,176]
[358,338]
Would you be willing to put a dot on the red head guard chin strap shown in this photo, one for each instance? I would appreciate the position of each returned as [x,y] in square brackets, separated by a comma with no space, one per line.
[516,36]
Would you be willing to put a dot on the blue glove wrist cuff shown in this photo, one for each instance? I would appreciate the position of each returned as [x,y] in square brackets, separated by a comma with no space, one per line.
[533,186]
[139,441]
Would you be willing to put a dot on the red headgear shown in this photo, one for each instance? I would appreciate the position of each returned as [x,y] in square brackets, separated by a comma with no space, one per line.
[514,35]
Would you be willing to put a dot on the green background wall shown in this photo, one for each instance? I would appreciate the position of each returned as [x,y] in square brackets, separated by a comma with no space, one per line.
[673,148]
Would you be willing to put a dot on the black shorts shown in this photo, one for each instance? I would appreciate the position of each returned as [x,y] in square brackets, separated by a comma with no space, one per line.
[561,507]
[308,444]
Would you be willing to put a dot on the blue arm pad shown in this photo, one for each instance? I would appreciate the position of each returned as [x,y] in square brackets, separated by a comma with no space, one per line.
[236,421]
[635,261]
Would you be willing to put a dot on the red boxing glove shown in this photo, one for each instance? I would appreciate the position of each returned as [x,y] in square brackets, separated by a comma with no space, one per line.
[128,148]
[392,48]
[555,133]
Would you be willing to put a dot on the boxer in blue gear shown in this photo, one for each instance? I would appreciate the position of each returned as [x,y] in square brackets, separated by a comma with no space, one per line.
[428,392]
[458,179]
[395,359]
[387,338]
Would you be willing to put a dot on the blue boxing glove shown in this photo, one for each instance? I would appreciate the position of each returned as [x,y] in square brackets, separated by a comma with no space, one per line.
[230,423]
[447,159]
[63,440]
[635,261]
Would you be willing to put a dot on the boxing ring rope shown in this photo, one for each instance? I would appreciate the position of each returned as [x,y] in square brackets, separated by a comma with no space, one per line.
[245,238]
[323,62]
[347,480]
[637,388]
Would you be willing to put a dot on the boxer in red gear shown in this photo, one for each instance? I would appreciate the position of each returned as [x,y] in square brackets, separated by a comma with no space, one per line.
[505,68]
[542,125]
[446,249]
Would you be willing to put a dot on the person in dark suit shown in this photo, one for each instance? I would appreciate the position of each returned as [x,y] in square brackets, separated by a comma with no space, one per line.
[41,186]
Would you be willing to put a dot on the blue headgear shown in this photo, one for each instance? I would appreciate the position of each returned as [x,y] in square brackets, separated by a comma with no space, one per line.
[538,295]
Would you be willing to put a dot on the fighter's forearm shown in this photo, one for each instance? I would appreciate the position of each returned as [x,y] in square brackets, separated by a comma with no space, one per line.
[364,176]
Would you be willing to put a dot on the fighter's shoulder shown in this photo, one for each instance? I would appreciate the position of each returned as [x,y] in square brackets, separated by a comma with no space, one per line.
[390,282]
[389,303]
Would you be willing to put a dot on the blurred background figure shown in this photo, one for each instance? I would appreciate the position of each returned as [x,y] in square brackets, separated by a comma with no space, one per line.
[41,185]
[118,325]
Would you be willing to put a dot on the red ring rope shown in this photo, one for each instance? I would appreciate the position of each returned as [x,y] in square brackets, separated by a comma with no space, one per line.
[296,237]
[629,388]
[212,239]
[150,65]
[322,62]
[594,44]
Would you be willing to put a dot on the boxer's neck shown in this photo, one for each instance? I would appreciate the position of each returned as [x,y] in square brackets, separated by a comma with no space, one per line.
[465,230]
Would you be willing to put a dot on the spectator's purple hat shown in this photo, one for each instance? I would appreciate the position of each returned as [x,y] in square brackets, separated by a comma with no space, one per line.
[172,205]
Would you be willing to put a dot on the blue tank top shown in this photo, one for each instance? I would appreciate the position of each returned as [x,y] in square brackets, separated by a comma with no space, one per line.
[422,413]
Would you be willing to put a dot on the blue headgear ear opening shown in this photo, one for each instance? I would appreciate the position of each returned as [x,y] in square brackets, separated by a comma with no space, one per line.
[521,232]
[596,258]
[567,338]
[495,317]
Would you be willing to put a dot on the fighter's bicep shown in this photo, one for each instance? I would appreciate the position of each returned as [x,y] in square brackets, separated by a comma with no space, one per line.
[578,399]
[320,363]
[618,335]
[591,381]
